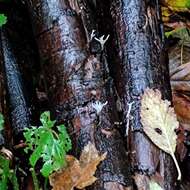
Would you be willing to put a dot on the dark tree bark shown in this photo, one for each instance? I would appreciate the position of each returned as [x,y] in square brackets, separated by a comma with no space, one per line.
[18,59]
[89,16]
[76,81]
[18,106]
[78,71]
[2,97]
[137,54]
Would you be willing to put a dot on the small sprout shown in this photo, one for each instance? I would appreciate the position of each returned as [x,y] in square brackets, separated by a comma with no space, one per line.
[92,35]
[102,40]
[3,19]
[98,106]
[1,122]
[47,145]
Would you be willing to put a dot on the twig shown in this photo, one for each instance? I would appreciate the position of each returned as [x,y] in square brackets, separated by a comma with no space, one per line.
[182,53]
[35,180]
[128,117]
[14,180]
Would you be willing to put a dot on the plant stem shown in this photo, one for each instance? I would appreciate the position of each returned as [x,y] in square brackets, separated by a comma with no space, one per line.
[45,183]
[177,166]
[14,181]
[35,179]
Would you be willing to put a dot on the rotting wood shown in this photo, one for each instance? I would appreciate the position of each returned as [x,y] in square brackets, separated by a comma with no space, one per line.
[79,87]
[137,57]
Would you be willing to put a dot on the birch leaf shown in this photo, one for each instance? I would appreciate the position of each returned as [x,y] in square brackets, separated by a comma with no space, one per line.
[159,122]
[154,186]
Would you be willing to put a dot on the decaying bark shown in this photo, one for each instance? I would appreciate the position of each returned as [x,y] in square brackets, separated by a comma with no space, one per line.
[19,59]
[18,106]
[90,21]
[137,57]
[2,96]
[78,83]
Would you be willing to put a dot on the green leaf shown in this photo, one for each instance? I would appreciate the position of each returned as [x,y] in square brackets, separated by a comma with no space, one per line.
[47,168]
[64,138]
[58,154]
[1,122]
[182,33]
[3,19]
[48,145]
[178,4]
[45,120]
[4,174]
[36,155]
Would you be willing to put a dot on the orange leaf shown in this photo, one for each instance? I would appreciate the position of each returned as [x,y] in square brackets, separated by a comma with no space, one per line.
[78,173]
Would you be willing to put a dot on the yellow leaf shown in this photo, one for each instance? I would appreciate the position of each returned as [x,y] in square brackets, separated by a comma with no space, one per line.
[78,173]
[178,5]
[166,13]
[159,122]
[154,186]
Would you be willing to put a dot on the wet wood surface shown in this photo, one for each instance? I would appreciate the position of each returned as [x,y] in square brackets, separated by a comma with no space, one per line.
[138,61]
[78,83]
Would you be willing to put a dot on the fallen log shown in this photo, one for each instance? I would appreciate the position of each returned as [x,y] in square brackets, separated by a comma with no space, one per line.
[2,97]
[79,87]
[18,107]
[137,57]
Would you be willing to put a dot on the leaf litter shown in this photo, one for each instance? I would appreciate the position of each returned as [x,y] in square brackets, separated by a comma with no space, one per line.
[159,122]
[78,173]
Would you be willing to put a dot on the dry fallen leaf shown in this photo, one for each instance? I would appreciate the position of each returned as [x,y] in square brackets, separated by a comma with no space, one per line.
[154,186]
[181,73]
[78,173]
[141,181]
[180,86]
[182,106]
[181,149]
[75,6]
[159,122]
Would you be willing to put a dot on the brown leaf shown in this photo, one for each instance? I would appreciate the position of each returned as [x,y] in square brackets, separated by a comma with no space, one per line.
[78,173]
[75,6]
[159,122]
[89,161]
[182,72]
[182,107]
[181,148]
[180,86]
[141,181]
[178,58]
[158,179]
[65,179]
